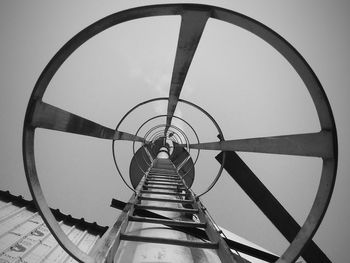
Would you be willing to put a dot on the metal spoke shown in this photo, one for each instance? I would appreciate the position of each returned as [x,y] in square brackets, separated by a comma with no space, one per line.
[50,117]
[309,144]
[192,26]
[268,204]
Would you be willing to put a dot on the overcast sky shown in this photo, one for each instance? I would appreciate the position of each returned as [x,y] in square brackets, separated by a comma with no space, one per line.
[241,81]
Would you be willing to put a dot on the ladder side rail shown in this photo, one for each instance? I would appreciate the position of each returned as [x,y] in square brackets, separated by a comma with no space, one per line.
[224,252]
[106,247]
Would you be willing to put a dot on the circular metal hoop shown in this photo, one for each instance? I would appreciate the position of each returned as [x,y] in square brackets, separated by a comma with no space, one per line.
[221,135]
[178,139]
[164,115]
[159,135]
[276,41]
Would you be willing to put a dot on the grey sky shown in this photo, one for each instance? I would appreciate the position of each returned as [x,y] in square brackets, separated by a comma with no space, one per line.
[240,80]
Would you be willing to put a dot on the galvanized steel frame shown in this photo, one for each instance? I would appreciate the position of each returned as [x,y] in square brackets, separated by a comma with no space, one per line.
[39,114]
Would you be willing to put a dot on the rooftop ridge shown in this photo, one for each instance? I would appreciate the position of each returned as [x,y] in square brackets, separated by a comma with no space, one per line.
[92,228]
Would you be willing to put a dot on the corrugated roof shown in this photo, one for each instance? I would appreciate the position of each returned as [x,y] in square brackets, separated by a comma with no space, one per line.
[24,237]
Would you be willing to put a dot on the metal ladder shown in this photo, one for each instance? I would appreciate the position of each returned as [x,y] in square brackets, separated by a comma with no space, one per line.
[160,182]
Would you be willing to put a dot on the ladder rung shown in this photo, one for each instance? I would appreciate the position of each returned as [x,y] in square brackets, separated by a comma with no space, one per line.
[150,178]
[163,179]
[163,182]
[161,169]
[161,240]
[181,201]
[170,172]
[162,193]
[158,169]
[164,208]
[166,178]
[168,222]
[160,183]
[164,188]
[164,174]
